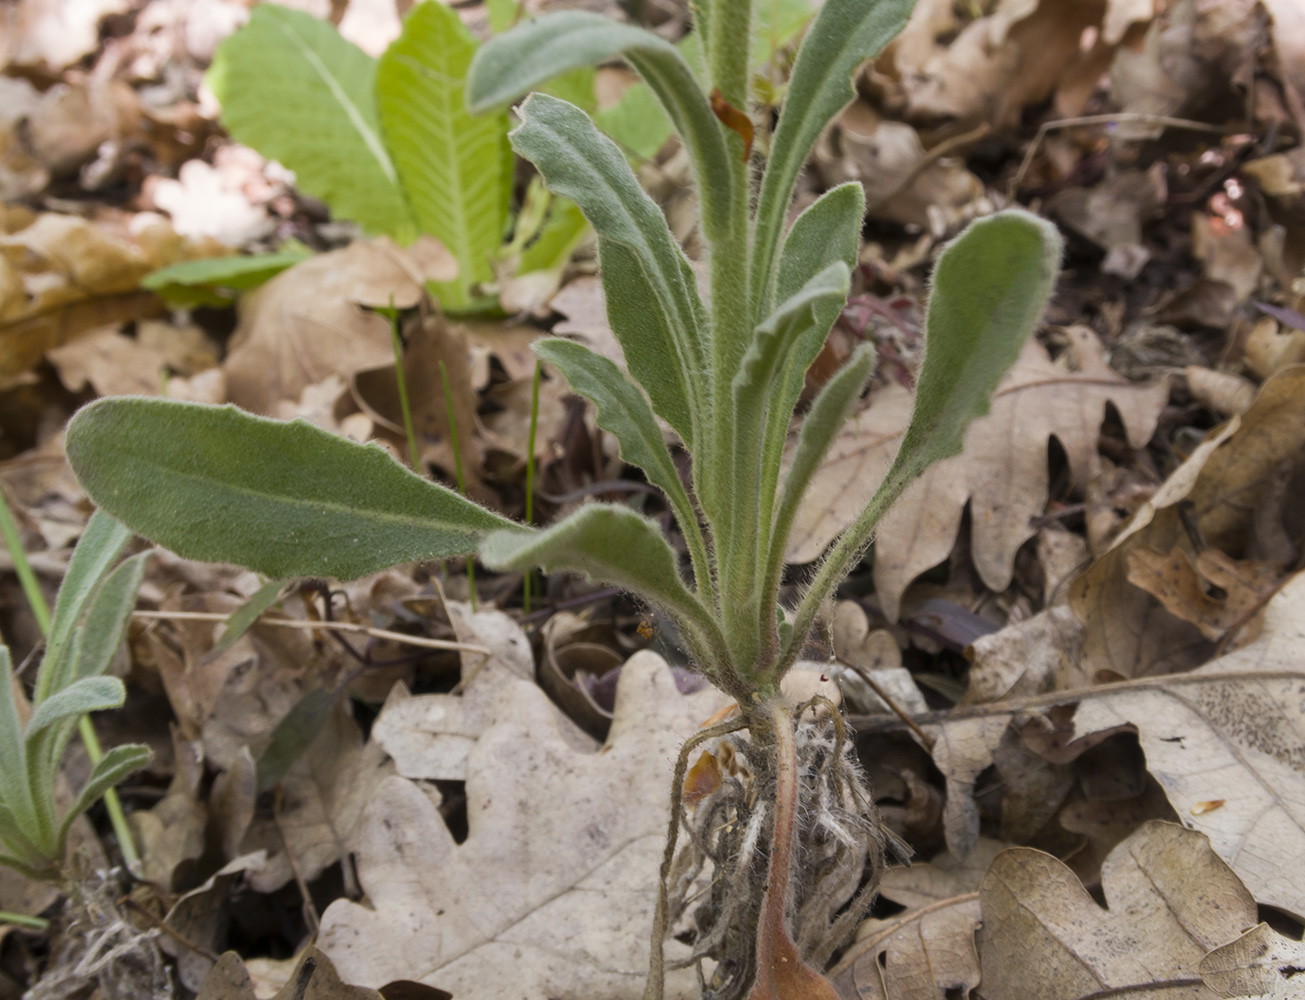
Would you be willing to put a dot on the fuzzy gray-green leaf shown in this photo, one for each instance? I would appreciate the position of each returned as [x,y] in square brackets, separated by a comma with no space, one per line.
[652,299]
[295,90]
[285,499]
[843,35]
[89,694]
[537,50]
[244,616]
[97,550]
[607,543]
[115,765]
[15,793]
[107,617]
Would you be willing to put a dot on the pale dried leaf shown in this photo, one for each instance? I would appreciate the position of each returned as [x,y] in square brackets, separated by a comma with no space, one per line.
[552,891]
[1171,901]
[1231,733]
[962,750]
[1002,472]
[1025,658]
[1261,963]
[312,977]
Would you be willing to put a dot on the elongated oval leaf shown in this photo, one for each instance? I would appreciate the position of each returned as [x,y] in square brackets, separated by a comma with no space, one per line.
[652,297]
[244,616]
[107,617]
[843,35]
[607,543]
[111,768]
[90,694]
[285,499]
[455,168]
[97,550]
[297,92]
[15,792]
[537,50]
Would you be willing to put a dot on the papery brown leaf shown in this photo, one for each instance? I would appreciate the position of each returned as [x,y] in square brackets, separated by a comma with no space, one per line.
[314,978]
[1002,472]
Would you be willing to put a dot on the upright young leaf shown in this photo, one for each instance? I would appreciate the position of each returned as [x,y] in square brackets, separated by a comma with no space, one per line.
[843,35]
[285,499]
[107,617]
[652,298]
[295,90]
[15,791]
[97,550]
[455,169]
[989,289]
[111,768]
[539,49]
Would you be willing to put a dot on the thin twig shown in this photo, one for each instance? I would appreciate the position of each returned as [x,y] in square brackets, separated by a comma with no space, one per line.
[925,739]
[166,928]
[323,626]
[309,908]
[879,723]
[1121,117]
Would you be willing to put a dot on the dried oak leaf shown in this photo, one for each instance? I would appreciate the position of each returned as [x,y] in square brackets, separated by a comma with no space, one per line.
[1261,963]
[1225,743]
[1171,901]
[927,950]
[314,978]
[1002,472]
[551,894]
[1223,482]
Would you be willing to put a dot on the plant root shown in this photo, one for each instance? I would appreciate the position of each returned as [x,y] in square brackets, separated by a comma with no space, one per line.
[835,861]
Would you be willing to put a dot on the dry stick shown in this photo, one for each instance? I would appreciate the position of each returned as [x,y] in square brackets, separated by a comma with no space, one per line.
[1122,117]
[325,626]
[879,723]
[925,739]
[166,928]
[655,987]
[309,908]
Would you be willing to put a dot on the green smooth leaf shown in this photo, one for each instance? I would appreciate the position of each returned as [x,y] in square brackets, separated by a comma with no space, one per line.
[776,23]
[843,35]
[15,792]
[285,499]
[534,51]
[454,168]
[97,550]
[115,765]
[636,122]
[563,231]
[652,296]
[89,694]
[295,90]
[245,616]
[606,543]
[293,735]
[204,281]
[107,617]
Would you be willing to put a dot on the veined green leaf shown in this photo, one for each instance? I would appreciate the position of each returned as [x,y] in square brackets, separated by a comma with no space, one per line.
[293,735]
[203,282]
[652,298]
[89,694]
[455,169]
[829,411]
[624,412]
[537,50]
[285,499]
[843,35]
[297,92]
[107,617]
[97,550]
[606,543]
[989,289]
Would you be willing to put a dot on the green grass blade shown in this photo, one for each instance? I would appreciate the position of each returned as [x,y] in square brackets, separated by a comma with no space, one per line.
[285,499]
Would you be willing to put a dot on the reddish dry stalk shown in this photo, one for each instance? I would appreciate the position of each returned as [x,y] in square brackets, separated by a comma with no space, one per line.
[781,973]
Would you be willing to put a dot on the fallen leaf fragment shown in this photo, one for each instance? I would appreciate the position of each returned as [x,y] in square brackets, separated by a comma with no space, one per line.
[552,892]
[314,978]
[1232,731]
[1002,472]
[1183,587]
[1171,901]
[1260,963]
